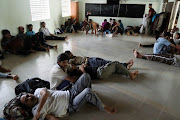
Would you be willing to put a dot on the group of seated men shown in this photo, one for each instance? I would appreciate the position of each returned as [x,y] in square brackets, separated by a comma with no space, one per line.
[70,83]
[29,42]
[165,50]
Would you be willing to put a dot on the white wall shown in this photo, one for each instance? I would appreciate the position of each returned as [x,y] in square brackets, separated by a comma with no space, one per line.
[126,21]
[16,13]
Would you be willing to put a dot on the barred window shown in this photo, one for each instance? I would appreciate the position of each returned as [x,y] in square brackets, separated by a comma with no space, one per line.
[39,9]
[66,8]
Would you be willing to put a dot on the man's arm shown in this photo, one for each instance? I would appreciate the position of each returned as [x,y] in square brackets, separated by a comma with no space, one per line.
[44,93]
[71,79]
[51,117]
[150,13]
[115,26]
[172,45]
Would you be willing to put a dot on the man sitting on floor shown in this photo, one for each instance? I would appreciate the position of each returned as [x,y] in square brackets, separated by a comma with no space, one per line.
[101,68]
[36,45]
[14,45]
[118,28]
[38,36]
[48,35]
[162,46]
[58,75]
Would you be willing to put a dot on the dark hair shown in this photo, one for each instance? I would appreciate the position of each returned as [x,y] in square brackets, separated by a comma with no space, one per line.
[119,21]
[114,19]
[67,52]
[150,4]
[62,57]
[28,26]
[42,23]
[19,100]
[167,34]
[110,18]
[105,20]
[90,20]
[4,32]
[178,35]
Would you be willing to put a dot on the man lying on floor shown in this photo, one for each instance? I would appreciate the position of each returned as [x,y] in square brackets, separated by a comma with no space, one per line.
[100,68]
[167,59]
[51,105]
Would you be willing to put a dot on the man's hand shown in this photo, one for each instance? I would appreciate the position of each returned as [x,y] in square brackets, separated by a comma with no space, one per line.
[81,67]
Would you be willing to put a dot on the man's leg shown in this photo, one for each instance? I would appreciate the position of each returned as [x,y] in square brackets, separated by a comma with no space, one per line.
[97,62]
[87,95]
[4,75]
[167,59]
[83,82]
[115,68]
[54,38]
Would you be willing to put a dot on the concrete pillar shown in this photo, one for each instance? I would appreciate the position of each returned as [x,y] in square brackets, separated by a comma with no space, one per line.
[173,14]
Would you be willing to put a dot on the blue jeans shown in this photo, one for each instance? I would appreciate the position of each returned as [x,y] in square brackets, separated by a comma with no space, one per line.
[98,62]
[107,31]
[81,92]
[4,75]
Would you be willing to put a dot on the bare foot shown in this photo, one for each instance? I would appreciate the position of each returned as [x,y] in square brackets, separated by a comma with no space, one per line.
[55,46]
[140,45]
[109,109]
[130,64]
[128,34]
[133,74]
[135,53]
[47,49]
[135,34]
[66,38]
[15,77]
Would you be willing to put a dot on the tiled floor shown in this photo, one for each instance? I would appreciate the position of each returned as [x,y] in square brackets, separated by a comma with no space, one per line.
[154,95]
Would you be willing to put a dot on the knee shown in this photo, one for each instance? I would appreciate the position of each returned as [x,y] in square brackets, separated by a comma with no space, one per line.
[86,75]
[87,90]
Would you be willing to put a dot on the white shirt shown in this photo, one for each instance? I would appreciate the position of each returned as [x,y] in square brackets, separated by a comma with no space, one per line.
[176,41]
[57,103]
[45,31]
[57,75]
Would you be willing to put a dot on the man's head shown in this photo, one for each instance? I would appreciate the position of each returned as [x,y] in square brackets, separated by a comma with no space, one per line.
[69,54]
[105,20]
[73,66]
[119,21]
[110,19]
[30,27]
[177,36]
[166,35]
[88,13]
[6,34]
[62,60]
[28,100]
[90,20]
[150,5]
[21,29]
[114,20]
[43,24]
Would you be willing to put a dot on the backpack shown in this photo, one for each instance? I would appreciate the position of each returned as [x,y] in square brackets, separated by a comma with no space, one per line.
[12,110]
[30,85]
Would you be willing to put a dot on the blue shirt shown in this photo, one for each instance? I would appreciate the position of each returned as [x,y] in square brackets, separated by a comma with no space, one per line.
[30,33]
[159,44]
[121,26]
